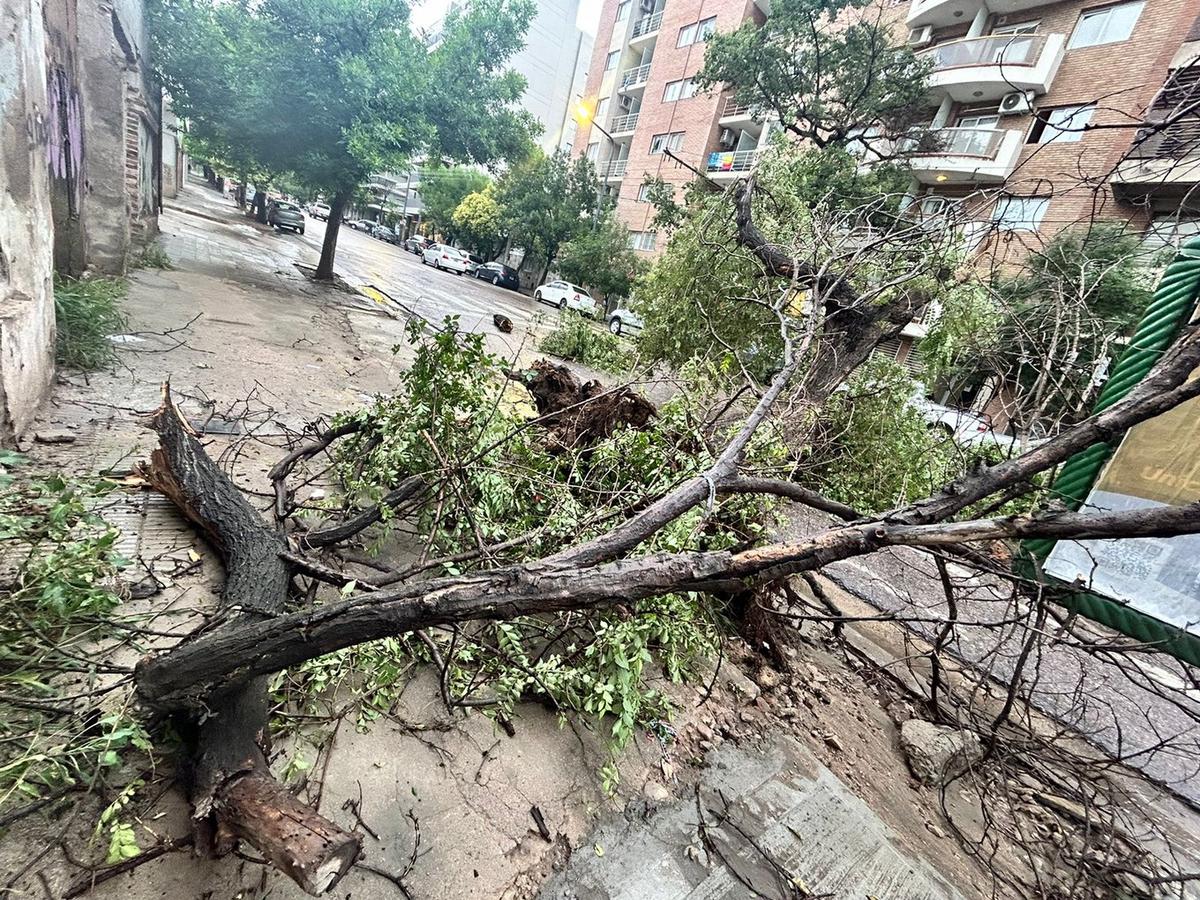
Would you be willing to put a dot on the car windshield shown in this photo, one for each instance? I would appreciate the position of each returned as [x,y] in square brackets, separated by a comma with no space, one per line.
[279,204]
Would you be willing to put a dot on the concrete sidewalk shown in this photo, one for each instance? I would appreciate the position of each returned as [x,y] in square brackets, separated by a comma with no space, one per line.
[765,824]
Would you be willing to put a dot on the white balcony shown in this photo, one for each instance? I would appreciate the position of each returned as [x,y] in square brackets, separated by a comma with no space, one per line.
[635,79]
[612,170]
[731,164]
[645,29]
[987,68]
[623,125]
[942,13]
[964,155]
[734,114]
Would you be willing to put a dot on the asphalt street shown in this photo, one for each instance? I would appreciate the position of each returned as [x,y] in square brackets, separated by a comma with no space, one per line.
[364,260]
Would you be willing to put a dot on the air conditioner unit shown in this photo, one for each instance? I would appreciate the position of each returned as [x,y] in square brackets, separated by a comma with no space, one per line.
[626,103]
[1016,103]
[919,37]
[647,6]
[727,138]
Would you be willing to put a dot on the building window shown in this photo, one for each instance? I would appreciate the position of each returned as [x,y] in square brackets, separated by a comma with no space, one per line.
[593,151]
[679,90]
[1020,213]
[696,32]
[662,142]
[644,193]
[1017,28]
[1062,125]
[642,240]
[1107,25]
[602,110]
[611,62]
[623,10]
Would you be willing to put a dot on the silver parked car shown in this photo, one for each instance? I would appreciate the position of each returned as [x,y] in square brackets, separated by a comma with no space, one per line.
[283,214]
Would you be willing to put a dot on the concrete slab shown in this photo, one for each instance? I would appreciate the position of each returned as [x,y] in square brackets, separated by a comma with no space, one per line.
[762,823]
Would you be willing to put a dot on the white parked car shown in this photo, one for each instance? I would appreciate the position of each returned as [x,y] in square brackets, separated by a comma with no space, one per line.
[319,210]
[441,256]
[967,427]
[565,295]
[621,320]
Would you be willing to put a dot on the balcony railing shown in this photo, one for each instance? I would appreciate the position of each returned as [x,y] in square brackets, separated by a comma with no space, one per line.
[624,123]
[733,108]
[996,50]
[646,25]
[636,77]
[980,142]
[613,168]
[732,161]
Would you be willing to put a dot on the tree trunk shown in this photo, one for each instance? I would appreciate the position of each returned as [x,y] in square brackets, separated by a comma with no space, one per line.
[260,207]
[232,791]
[329,245]
[240,193]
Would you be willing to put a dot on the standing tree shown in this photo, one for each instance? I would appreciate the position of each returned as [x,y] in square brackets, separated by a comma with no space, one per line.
[477,222]
[600,259]
[442,189]
[545,201]
[331,90]
[827,69]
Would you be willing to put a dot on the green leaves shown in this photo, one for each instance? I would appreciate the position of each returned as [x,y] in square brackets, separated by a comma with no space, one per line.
[826,68]
[546,201]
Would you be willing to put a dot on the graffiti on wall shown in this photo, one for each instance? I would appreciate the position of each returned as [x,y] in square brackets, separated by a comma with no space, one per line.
[64,143]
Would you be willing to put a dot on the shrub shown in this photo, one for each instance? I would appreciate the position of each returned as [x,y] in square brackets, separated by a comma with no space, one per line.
[578,339]
[87,311]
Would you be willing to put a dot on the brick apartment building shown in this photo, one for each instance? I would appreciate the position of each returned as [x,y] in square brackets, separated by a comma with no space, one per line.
[645,55]
[1035,109]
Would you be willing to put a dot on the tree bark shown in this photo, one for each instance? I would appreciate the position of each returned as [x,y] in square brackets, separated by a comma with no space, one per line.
[329,245]
[231,789]
[260,206]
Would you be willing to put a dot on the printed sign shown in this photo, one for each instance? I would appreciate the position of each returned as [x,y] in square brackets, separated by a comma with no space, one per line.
[1157,464]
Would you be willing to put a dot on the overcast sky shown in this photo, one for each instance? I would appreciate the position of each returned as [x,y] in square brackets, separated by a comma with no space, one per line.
[427,13]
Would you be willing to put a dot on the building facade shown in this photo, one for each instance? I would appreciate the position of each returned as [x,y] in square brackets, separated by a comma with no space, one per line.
[1036,107]
[645,104]
[554,62]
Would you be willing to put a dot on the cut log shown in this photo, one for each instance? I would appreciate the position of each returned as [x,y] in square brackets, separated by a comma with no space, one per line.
[231,789]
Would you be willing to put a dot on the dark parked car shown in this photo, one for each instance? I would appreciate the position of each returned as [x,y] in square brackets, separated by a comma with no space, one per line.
[499,275]
[283,214]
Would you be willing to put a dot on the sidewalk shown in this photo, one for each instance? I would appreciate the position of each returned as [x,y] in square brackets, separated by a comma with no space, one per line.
[254,351]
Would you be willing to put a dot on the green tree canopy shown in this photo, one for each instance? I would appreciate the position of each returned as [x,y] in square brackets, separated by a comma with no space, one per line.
[600,259]
[443,188]
[709,294]
[1050,329]
[476,221]
[828,69]
[545,201]
[332,90]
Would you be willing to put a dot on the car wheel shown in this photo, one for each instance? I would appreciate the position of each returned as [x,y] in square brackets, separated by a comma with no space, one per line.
[615,326]
[302,231]
[537,295]
[496,280]
[562,304]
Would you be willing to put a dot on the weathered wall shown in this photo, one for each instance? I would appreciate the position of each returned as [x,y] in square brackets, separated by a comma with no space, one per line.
[122,113]
[26,243]
[64,137]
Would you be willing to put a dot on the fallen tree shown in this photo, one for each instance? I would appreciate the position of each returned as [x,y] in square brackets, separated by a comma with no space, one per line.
[216,678]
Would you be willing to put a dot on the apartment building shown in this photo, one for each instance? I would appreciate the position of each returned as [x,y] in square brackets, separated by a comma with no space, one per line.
[641,82]
[1036,106]
[1035,115]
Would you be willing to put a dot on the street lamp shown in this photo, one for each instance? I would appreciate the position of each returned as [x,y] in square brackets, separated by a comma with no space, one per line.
[585,114]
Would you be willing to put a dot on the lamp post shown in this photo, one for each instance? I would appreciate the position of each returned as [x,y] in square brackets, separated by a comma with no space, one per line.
[585,114]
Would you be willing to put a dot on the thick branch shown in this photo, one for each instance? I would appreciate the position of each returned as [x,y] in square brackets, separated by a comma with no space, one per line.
[232,791]
[239,653]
